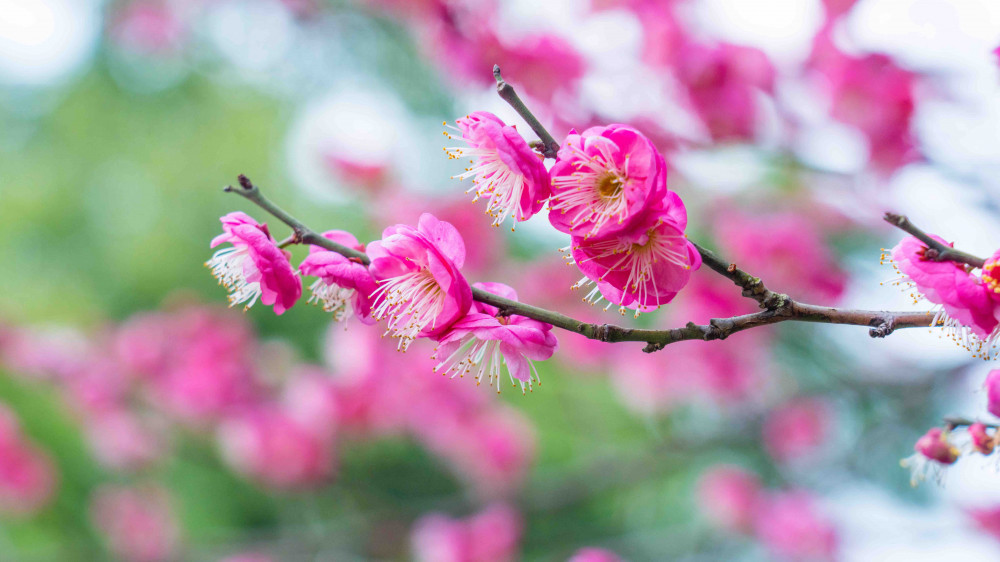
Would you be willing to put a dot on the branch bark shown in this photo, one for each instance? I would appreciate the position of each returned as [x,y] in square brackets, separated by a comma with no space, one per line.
[777,307]
[935,250]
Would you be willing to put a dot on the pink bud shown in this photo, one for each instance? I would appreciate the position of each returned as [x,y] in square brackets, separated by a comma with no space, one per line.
[935,446]
[728,496]
[981,441]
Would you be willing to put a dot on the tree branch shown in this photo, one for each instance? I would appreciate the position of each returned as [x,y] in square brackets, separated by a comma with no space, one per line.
[935,250]
[778,307]
[549,145]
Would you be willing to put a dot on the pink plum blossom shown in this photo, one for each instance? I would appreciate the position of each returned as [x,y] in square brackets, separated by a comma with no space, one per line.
[478,341]
[965,305]
[992,386]
[796,429]
[27,477]
[345,284]
[137,522]
[606,180]
[492,535]
[421,291]
[124,440]
[591,554]
[254,267]
[980,440]
[792,528]
[639,270]
[728,496]
[933,452]
[270,446]
[987,519]
[504,168]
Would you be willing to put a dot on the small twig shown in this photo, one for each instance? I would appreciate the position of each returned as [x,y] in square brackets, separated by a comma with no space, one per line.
[549,146]
[952,422]
[935,250]
[778,307]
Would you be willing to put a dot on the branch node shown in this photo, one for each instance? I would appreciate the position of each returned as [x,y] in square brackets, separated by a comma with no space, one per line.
[884,327]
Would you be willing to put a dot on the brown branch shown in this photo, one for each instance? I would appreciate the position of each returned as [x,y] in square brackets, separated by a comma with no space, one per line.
[549,146]
[935,250]
[952,422]
[778,308]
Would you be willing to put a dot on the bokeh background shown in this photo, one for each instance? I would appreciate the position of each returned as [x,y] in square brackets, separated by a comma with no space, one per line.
[142,420]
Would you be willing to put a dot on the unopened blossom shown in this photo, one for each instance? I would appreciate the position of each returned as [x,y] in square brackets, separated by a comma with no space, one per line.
[796,429]
[965,306]
[605,180]
[591,554]
[421,291]
[728,496]
[933,452]
[638,270]
[503,168]
[27,476]
[137,522]
[980,440]
[492,535]
[790,525]
[992,386]
[345,285]
[254,267]
[480,341]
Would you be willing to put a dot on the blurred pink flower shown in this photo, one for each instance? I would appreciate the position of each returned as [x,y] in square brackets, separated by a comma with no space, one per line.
[148,27]
[492,535]
[992,386]
[786,249]
[797,429]
[987,519]
[345,284]
[478,341]
[606,181]
[591,554]
[791,527]
[728,496]
[421,290]
[981,441]
[124,440]
[311,398]
[270,446]
[28,478]
[373,177]
[933,452]
[137,522]
[248,557]
[504,168]
[254,267]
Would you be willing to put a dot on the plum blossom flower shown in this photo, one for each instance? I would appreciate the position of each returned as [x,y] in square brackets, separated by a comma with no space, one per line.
[344,285]
[504,168]
[254,267]
[980,440]
[933,452]
[137,522]
[791,527]
[640,270]
[728,496]
[492,535]
[605,180]
[421,290]
[964,304]
[796,429]
[482,339]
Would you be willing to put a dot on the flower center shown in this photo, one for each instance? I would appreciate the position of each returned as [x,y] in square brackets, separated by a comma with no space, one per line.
[609,186]
[991,281]
[411,302]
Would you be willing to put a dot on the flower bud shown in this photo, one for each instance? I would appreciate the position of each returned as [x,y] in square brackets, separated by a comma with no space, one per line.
[981,440]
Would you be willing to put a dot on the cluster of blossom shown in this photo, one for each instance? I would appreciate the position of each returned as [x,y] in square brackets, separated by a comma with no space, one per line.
[966,300]
[492,535]
[787,523]
[942,447]
[139,387]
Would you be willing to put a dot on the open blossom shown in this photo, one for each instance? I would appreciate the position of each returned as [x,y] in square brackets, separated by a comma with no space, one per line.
[492,535]
[605,180]
[421,291]
[791,527]
[728,496]
[345,284]
[479,341]
[505,170]
[639,270]
[933,451]
[254,267]
[965,306]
